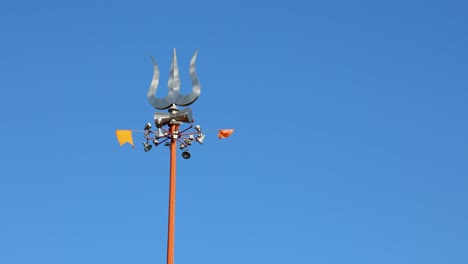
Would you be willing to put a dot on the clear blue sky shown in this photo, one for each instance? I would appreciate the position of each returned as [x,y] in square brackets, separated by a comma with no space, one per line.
[351,142]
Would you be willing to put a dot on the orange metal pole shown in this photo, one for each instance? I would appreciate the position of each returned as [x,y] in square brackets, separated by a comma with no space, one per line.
[172,198]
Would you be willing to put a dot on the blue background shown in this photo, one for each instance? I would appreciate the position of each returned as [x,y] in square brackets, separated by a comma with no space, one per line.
[350,144]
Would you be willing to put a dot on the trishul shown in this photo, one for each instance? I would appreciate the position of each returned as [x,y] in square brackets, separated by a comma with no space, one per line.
[174,97]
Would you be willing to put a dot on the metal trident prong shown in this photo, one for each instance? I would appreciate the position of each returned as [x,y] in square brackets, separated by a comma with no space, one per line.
[174,96]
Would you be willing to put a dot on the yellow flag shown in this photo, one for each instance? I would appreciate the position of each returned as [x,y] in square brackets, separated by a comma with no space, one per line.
[224,133]
[124,136]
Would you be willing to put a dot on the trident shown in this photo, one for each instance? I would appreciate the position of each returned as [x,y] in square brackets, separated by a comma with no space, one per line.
[171,135]
[174,119]
[174,97]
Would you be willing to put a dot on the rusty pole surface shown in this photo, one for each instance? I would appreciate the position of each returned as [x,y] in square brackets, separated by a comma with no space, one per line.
[172,198]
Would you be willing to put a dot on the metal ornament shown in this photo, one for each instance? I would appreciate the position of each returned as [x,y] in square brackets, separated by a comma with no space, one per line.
[174,97]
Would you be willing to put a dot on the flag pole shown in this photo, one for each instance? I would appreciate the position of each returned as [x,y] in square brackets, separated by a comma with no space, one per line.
[172,195]
[174,119]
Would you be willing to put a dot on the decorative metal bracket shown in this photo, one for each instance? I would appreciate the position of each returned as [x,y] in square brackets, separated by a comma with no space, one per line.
[163,135]
[174,97]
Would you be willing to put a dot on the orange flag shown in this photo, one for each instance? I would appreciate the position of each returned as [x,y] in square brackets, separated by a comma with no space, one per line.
[124,136]
[224,133]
